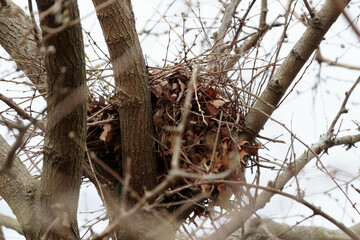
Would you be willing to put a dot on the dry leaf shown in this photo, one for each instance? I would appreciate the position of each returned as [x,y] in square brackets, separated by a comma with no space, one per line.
[107,133]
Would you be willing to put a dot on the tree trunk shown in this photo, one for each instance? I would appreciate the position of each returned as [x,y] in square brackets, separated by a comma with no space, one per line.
[66,122]
[135,110]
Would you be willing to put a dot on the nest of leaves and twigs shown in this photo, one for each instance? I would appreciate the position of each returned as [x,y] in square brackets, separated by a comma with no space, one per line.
[209,143]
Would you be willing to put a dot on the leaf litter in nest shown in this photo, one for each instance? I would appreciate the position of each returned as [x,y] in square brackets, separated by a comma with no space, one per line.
[206,147]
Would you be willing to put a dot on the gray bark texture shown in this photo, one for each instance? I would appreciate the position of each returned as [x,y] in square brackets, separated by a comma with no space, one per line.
[261,229]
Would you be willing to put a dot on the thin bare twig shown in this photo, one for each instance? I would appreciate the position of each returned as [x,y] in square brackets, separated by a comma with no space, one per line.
[342,109]
[311,11]
[320,58]
[181,127]
[23,114]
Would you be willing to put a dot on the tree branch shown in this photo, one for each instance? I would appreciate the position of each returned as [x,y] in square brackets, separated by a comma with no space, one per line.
[64,144]
[11,223]
[226,21]
[320,58]
[269,229]
[22,113]
[289,172]
[19,189]
[18,39]
[288,70]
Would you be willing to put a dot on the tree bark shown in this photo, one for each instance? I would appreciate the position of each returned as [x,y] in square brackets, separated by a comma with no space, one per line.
[133,92]
[268,229]
[66,120]
[18,190]
[17,38]
[135,110]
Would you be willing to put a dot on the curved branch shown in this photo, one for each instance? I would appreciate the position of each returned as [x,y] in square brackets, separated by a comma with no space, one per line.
[18,190]
[11,223]
[18,39]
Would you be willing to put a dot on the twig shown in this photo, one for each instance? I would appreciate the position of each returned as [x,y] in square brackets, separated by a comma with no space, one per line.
[23,114]
[307,5]
[340,5]
[320,58]
[216,142]
[102,122]
[342,108]
[316,210]
[181,127]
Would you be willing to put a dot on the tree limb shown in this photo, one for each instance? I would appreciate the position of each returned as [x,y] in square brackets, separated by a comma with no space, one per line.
[268,229]
[289,172]
[17,38]
[226,21]
[11,223]
[288,70]
[19,189]
[64,144]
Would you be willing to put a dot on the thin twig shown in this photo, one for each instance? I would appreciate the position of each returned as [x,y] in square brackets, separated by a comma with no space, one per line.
[23,114]
[307,5]
[181,127]
[342,109]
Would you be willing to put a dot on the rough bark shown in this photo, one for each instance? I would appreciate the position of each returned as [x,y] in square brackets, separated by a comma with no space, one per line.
[18,190]
[117,21]
[118,25]
[66,120]
[17,38]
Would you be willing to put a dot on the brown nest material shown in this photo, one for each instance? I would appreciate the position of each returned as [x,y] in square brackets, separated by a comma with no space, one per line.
[209,142]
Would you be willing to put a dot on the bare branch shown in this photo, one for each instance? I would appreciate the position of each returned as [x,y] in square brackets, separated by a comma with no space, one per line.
[23,114]
[320,58]
[17,38]
[11,223]
[288,70]
[311,11]
[342,108]
[269,229]
[226,20]
[289,172]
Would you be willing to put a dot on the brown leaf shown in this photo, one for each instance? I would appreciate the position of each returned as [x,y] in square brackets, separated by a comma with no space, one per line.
[217,103]
[107,133]
[214,105]
[158,120]
[211,109]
